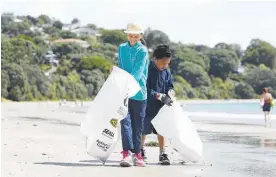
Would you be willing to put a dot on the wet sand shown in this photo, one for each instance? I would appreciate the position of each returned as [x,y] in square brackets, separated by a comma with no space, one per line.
[41,139]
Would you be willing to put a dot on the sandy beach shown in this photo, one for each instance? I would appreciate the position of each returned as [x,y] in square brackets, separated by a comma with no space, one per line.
[44,140]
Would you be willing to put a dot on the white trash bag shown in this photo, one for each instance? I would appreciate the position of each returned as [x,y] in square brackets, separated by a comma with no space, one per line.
[175,125]
[100,126]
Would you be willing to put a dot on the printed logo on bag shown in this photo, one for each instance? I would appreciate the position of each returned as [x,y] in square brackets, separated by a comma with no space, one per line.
[108,133]
[103,146]
[114,122]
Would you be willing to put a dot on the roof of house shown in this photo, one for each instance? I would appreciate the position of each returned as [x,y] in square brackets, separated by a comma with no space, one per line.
[68,40]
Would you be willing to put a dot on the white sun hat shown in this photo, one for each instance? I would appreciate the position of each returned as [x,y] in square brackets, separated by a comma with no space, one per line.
[134,28]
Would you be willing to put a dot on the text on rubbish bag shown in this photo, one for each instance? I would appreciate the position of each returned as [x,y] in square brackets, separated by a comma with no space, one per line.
[108,133]
[103,146]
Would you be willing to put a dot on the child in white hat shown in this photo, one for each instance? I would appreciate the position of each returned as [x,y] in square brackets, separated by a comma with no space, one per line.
[133,58]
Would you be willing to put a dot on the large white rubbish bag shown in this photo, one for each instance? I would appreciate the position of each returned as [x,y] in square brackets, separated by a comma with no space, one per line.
[100,126]
[175,125]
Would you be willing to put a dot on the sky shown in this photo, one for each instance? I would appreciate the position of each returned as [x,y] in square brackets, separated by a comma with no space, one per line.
[197,22]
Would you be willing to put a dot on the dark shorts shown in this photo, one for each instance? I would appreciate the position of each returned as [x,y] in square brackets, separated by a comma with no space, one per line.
[266,107]
[148,127]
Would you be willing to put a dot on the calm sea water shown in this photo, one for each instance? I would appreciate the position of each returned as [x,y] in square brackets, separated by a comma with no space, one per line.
[228,112]
[226,107]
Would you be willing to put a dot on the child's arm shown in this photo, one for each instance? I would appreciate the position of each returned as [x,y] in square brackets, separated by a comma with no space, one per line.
[140,65]
[151,92]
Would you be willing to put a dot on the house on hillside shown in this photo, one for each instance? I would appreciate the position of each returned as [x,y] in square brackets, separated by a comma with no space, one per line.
[36,29]
[51,58]
[16,20]
[11,16]
[7,14]
[85,31]
[69,27]
[79,42]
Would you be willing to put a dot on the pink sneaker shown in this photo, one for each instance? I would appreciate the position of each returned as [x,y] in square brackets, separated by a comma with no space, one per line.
[127,160]
[138,160]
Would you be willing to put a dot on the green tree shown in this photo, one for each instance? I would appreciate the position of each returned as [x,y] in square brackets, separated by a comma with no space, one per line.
[182,88]
[194,74]
[16,81]
[37,78]
[58,24]
[244,91]
[115,37]
[64,49]
[183,54]
[222,63]
[94,62]
[19,50]
[222,89]
[155,37]
[95,78]
[32,20]
[14,29]
[92,26]
[260,52]
[44,19]
[261,77]
[75,20]
[53,31]
[5,82]
[232,47]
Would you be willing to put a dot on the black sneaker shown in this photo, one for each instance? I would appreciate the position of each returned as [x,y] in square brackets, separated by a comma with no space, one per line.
[143,153]
[164,160]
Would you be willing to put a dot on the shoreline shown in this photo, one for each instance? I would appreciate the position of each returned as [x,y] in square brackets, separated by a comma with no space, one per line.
[195,101]
[220,101]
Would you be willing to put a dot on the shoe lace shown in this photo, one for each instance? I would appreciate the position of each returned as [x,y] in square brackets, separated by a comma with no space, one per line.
[139,156]
[164,156]
[125,154]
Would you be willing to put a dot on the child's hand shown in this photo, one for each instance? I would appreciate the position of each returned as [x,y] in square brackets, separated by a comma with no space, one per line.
[171,93]
[158,96]
[164,99]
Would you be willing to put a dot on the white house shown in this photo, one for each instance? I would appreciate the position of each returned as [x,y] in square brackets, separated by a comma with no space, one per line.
[69,27]
[16,20]
[85,31]
[7,14]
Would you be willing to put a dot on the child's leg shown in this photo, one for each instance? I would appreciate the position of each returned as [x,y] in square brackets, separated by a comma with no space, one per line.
[143,152]
[127,142]
[268,119]
[147,129]
[126,132]
[143,141]
[161,142]
[163,157]
[137,115]
[265,118]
